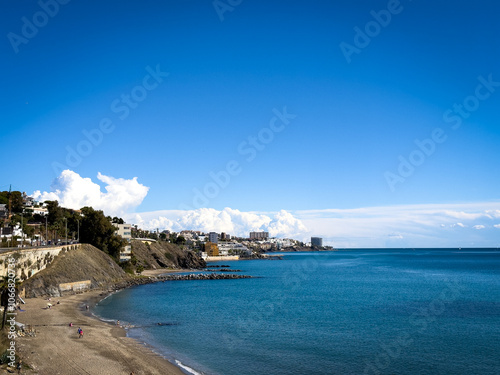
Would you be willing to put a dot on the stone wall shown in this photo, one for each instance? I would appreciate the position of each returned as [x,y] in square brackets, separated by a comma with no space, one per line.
[78,286]
[220,258]
[32,260]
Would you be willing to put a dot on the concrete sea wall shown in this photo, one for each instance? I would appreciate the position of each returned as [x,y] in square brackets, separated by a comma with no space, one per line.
[31,260]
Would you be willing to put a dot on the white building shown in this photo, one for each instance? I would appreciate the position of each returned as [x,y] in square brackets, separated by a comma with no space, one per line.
[40,211]
[125,232]
[28,201]
[281,242]
[234,247]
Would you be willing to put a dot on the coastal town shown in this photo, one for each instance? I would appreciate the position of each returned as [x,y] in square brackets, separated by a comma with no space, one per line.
[25,222]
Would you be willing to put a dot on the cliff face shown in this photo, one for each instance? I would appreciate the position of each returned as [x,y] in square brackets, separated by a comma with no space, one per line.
[86,263]
[90,263]
[165,255]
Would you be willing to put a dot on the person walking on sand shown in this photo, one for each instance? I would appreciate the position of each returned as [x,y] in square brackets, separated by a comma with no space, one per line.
[80,333]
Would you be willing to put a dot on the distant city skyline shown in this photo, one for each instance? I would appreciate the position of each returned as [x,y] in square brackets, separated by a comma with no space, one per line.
[369,124]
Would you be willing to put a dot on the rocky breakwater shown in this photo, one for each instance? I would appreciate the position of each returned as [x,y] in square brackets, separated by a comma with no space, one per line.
[177,277]
[203,276]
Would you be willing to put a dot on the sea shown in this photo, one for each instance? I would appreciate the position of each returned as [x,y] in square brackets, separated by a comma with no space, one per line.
[361,311]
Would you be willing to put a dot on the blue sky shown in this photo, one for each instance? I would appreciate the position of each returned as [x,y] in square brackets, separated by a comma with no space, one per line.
[354,120]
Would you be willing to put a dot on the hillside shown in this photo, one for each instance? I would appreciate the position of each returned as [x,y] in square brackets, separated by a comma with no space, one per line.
[90,263]
[86,263]
[165,255]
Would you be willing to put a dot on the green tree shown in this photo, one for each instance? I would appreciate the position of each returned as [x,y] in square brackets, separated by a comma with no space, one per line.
[17,202]
[180,240]
[118,220]
[56,213]
[4,198]
[98,231]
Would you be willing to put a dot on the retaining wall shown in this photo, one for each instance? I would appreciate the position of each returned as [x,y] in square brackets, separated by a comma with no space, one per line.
[32,260]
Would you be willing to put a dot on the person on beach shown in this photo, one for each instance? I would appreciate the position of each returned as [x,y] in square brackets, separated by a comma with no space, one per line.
[80,333]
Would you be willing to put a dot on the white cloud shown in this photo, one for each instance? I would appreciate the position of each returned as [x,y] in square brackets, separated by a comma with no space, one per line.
[466,215]
[494,213]
[228,220]
[422,225]
[74,191]
[497,226]
[478,227]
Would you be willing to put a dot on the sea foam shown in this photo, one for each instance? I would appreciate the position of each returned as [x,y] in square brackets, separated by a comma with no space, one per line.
[186,368]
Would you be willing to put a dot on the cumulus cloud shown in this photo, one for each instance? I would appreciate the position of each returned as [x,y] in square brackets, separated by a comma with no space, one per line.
[74,191]
[497,226]
[478,227]
[228,220]
[458,225]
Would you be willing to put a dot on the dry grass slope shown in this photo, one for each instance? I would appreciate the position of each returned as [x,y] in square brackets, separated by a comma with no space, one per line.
[165,255]
[86,263]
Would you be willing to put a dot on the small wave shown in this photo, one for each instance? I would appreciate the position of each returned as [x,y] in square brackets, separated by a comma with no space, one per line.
[105,320]
[186,368]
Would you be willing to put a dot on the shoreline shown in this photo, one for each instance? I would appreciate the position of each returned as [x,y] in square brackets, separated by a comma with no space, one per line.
[105,348]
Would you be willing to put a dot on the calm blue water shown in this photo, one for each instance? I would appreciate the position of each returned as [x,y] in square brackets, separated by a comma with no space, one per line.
[344,312]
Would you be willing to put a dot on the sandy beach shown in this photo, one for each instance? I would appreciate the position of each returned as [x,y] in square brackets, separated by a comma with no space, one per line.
[104,349]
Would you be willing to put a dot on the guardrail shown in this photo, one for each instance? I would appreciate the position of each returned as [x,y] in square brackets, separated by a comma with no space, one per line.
[7,249]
